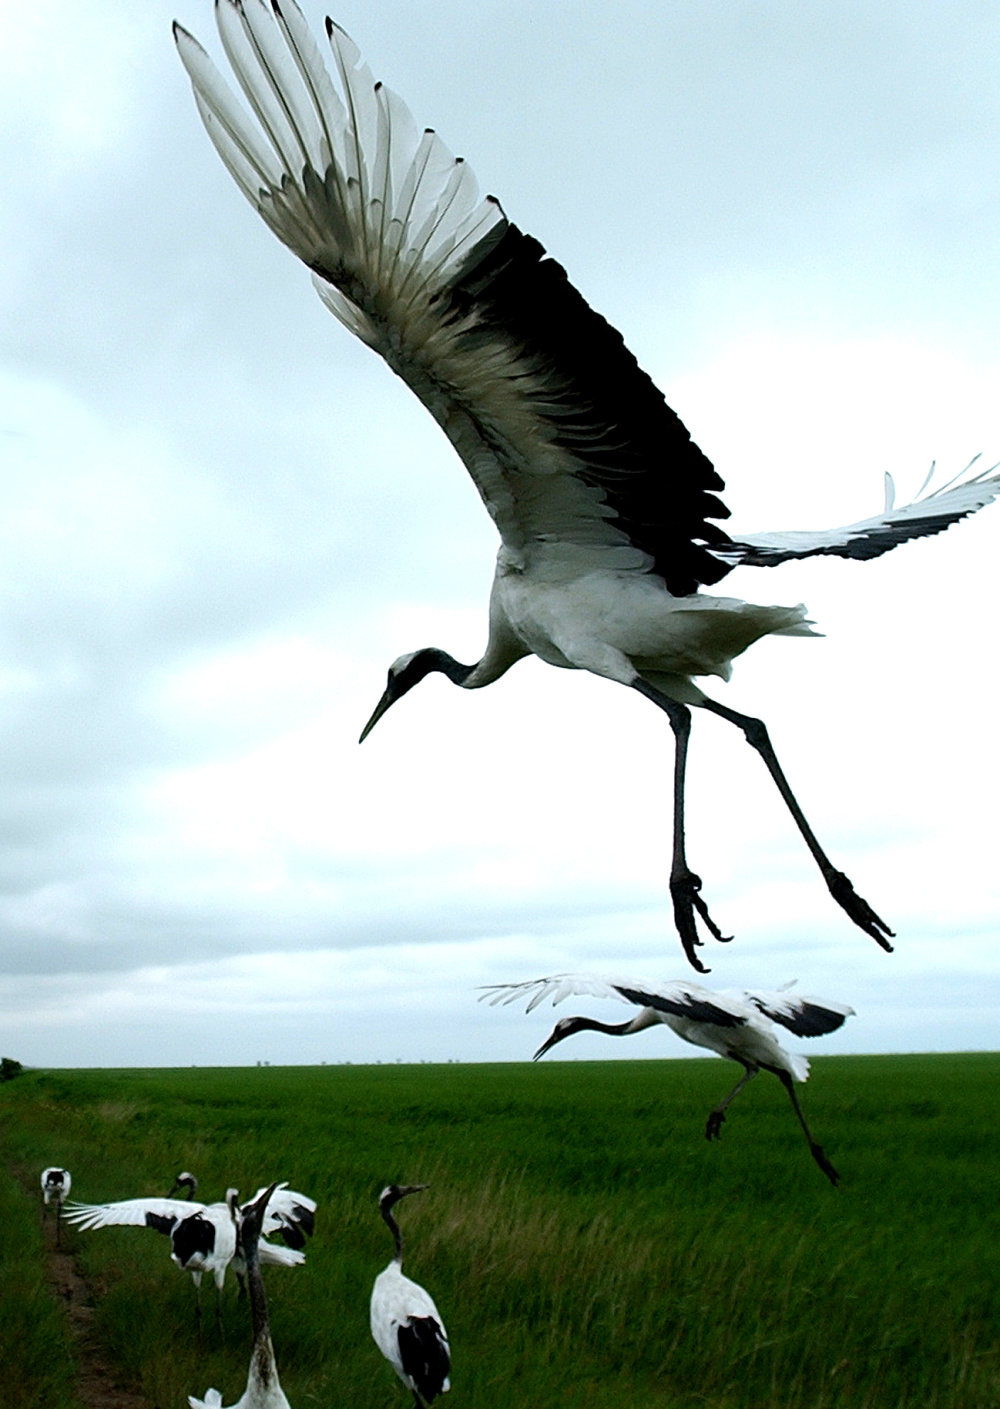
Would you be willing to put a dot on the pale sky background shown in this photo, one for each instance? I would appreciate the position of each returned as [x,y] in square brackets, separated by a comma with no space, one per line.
[222,518]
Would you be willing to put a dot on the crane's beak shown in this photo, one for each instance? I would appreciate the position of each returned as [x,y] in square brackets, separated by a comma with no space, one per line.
[387,699]
[553,1037]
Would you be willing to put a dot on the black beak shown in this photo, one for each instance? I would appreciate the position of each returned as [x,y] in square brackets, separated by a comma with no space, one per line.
[387,699]
[550,1041]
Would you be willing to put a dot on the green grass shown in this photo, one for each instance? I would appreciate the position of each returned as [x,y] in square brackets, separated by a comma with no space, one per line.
[587,1247]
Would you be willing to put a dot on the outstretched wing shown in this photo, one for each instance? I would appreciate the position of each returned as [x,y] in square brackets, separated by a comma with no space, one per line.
[571,446]
[806,1017]
[289,1214]
[869,538]
[686,1000]
[161,1214]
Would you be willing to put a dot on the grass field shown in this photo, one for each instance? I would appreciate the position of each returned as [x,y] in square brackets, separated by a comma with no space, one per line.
[587,1247]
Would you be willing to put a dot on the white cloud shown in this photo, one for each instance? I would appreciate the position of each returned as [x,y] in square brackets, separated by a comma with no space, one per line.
[221,520]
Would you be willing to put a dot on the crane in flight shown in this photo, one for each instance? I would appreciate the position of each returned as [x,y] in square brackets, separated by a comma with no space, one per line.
[739,1026]
[608,513]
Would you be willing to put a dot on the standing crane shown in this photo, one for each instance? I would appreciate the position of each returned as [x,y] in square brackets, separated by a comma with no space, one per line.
[56,1184]
[263,1389]
[606,509]
[406,1325]
[203,1236]
[737,1026]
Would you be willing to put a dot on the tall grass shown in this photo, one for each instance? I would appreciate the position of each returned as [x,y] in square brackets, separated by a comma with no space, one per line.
[586,1245]
[36,1366]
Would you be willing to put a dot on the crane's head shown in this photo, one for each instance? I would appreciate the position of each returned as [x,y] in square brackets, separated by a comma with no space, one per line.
[566,1027]
[249,1219]
[187,1182]
[409,670]
[394,1192]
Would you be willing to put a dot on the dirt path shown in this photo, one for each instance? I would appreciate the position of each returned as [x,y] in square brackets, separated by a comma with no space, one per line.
[97,1382]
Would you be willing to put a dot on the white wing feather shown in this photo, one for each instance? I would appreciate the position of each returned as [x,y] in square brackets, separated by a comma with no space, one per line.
[869,538]
[129,1212]
[679,997]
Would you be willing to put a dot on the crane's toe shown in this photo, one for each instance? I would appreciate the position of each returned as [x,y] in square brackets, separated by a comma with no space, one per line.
[713,1126]
[685,888]
[859,910]
[817,1153]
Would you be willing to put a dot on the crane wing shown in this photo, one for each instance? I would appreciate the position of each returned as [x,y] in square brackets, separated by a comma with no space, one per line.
[929,513]
[289,1214]
[573,449]
[686,1000]
[806,1017]
[160,1214]
[274,1255]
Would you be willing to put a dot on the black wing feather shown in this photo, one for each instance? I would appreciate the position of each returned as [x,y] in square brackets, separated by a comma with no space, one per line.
[605,410]
[424,1353]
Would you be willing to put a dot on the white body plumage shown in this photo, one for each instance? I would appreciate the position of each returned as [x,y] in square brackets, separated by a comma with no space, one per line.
[397,1301]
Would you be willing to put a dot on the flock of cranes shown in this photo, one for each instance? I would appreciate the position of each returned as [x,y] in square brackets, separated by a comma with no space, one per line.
[405,1324]
[609,520]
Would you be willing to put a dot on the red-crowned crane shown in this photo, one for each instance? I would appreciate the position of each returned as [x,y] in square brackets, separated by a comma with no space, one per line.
[606,509]
[263,1389]
[406,1325]
[203,1236]
[56,1184]
[736,1025]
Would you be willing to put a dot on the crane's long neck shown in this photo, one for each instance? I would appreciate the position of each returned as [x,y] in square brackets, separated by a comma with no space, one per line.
[397,1236]
[612,1029]
[263,1368]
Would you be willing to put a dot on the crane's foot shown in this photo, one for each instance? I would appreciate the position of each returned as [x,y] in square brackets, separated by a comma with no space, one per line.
[859,910]
[713,1126]
[685,892]
[817,1153]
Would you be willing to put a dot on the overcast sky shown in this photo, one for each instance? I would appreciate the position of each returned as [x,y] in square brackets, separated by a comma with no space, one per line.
[221,518]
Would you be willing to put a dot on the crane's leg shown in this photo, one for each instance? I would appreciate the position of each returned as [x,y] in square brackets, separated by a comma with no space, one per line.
[713,1126]
[839,886]
[815,1150]
[685,886]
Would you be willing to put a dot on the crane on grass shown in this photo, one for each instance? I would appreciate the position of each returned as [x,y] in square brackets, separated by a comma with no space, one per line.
[263,1389]
[737,1026]
[56,1184]
[608,513]
[203,1237]
[406,1325]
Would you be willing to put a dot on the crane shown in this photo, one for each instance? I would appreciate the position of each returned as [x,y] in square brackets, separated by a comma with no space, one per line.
[608,513]
[203,1236]
[406,1325]
[739,1026]
[263,1389]
[56,1184]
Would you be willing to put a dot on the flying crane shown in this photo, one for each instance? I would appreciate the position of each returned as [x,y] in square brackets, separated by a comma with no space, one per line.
[739,1026]
[608,513]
